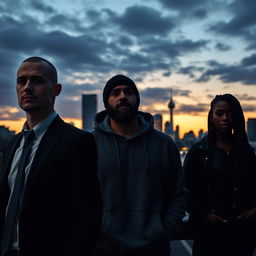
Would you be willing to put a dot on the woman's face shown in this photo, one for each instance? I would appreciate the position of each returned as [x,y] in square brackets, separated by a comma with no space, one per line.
[222,117]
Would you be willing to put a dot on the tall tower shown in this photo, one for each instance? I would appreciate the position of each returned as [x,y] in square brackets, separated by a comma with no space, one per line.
[89,109]
[171,106]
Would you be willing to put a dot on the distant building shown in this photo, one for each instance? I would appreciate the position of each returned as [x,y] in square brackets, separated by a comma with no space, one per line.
[5,134]
[251,129]
[167,127]
[177,133]
[189,139]
[158,122]
[89,109]
[201,134]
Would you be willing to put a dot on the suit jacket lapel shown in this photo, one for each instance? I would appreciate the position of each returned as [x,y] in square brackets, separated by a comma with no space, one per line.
[44,149]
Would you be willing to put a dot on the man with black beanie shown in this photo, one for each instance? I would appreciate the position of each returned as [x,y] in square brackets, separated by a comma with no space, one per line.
[114,112]
[140,174]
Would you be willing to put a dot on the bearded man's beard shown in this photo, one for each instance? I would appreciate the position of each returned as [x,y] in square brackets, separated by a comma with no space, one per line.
[123,116]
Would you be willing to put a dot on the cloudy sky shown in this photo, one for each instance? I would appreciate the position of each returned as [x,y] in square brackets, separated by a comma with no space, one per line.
[199,48]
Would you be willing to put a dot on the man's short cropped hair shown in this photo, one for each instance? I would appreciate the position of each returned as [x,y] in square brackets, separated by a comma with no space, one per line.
[52,69]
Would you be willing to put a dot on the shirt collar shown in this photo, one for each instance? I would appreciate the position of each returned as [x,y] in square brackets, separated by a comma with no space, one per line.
[41,127]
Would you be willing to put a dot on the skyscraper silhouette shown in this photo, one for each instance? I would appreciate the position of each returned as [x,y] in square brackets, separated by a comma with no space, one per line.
[158,122]
[89,109]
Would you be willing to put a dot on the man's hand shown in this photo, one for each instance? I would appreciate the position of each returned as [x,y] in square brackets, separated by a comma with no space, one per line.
[248,215]
[214,218]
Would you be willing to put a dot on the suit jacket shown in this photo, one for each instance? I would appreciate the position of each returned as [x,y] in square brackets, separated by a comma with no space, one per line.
[61,212]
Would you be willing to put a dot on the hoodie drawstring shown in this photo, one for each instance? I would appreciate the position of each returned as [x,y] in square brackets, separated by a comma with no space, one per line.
[146,153]
[117,153]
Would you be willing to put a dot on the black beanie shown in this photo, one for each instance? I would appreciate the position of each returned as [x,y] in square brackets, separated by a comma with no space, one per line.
[119,80]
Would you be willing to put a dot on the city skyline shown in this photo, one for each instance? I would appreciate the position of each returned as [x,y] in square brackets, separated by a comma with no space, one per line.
[94,105]
[250,126]
[199,48]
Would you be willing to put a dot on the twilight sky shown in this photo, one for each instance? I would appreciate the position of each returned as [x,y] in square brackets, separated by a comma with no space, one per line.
[199,48]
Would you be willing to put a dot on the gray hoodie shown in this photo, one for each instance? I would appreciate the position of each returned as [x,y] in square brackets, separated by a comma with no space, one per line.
[142,187]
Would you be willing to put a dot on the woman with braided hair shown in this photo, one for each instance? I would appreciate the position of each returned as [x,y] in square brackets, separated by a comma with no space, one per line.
[220,174]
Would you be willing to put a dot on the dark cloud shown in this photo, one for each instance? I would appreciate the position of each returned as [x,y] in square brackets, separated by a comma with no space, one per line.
[229,74]
[210,96]
[75,90]
[173,49]
[222,47]
[84,53]
[249,108]
[160,94]
[240,97]
[183,5]
[11,6]
[75,52]
[8,22]
[245,97]
[184,108]
[193,9]
[158,54]
[244,72]
[200,13]
[125,41]
[212,63]
[7,113]
[89,45]
[8,95]
[12,34]
[93,15]
[251,40]
[7,79]
[167,73]
[241,24]
[142,20]
[139,62]
[249,61]
[42,7]
[190,70]
[66,22]
[69,108]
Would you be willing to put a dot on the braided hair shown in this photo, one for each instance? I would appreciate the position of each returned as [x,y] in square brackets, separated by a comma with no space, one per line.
[239,137]
[240,144]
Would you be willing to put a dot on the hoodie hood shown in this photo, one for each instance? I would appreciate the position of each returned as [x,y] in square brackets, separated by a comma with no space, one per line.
[146,121]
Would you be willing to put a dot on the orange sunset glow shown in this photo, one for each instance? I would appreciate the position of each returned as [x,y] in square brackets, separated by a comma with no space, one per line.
[186,122]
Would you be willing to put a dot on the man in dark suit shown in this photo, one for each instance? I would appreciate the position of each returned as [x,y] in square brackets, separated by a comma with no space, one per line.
[49,194]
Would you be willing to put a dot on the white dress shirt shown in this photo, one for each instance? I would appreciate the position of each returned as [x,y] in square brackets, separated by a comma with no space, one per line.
[39,131]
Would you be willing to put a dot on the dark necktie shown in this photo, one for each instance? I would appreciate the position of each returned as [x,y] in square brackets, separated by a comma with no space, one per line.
[15,201]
